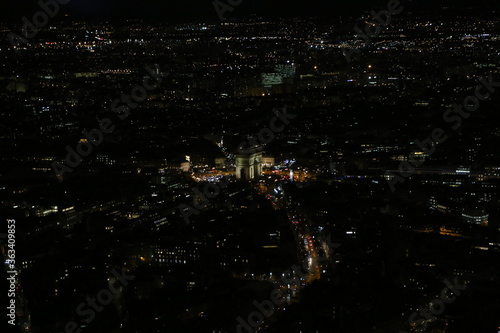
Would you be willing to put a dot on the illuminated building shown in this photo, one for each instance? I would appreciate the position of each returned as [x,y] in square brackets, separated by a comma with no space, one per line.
[249,166]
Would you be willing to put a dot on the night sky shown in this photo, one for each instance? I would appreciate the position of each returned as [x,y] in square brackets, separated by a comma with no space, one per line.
[187,10]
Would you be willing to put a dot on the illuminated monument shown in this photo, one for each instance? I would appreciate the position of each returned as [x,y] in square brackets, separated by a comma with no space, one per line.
[249,163]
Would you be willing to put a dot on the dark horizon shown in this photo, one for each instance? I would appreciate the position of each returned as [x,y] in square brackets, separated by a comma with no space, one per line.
[203,10]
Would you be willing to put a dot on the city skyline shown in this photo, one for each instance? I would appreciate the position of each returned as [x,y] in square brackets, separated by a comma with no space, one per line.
[254,169]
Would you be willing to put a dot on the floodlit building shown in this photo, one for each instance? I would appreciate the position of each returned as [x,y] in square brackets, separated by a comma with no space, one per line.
[249,165]
[268,162]
[220,162]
